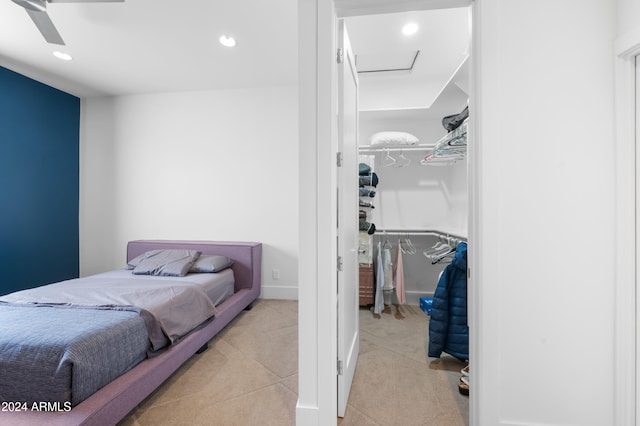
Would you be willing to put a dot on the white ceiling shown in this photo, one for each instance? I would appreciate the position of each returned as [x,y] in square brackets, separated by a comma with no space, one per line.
[437,85]
[142,46]
[369,7]
[146,46]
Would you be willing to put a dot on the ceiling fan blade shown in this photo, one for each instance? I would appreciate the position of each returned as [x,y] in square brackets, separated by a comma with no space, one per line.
[46,27]
[37,5]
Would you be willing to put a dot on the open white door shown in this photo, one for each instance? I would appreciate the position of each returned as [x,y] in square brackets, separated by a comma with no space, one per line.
[347,180]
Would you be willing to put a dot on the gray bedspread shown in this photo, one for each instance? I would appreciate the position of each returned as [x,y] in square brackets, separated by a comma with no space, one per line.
[170,308]
[59,355]
[64,341]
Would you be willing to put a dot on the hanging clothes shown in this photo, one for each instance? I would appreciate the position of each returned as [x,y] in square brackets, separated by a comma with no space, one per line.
[448,329]
[378,305]
[399,277]
[387,266]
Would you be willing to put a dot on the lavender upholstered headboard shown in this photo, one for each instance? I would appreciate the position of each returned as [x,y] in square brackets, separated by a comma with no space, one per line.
[247,257]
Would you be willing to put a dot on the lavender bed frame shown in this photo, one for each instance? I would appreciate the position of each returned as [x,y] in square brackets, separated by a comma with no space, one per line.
[114,401]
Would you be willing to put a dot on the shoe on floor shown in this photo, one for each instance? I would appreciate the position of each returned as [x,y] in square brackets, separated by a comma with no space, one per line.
[463,387]
[465,371]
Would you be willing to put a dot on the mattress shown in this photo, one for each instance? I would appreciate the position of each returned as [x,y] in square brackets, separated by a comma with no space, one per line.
[72,351]
[218,286]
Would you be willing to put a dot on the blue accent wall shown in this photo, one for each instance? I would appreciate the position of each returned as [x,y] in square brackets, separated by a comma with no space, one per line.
[39,183]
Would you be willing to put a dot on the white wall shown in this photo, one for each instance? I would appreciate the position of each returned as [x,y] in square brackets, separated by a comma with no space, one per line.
[627,121]
[542,255]
[628,16]
[211,165]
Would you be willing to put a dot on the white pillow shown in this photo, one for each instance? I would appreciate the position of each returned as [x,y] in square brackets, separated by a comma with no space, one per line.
[393,138]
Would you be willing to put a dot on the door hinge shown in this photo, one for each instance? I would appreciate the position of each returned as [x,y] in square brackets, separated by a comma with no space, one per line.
[340,56]
[339,368]
[339,263]
[339,159]
[468,272]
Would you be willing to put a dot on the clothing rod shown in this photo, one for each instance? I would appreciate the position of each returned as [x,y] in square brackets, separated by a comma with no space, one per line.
[430,232]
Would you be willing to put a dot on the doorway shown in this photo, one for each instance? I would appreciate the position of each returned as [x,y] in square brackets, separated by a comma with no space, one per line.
[408,83]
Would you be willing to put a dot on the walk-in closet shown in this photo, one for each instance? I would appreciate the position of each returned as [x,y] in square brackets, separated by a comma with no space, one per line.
[413,70]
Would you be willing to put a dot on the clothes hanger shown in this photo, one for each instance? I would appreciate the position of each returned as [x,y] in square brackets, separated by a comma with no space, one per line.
[388,160]
[431,160]
[402,247]
[440,248]
[405,245]
[402,161]
[443,256]
[386,244]
[384,241]
[411,249]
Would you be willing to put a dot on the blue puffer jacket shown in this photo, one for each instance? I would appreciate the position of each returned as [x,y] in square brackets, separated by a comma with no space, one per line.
[448,329]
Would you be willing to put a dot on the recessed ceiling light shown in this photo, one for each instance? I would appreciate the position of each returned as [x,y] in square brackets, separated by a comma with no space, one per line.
[410,28]
[227,41]
[62,55]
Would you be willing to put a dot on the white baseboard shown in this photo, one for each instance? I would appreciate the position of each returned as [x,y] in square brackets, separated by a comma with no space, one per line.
[306,416]
[281,292]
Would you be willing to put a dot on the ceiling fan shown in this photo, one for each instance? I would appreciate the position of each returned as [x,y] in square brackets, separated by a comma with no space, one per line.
[37,10]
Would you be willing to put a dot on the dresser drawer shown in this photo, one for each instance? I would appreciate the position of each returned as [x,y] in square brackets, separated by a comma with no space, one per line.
[367,292]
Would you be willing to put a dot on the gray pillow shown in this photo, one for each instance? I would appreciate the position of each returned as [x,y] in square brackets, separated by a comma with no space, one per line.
[136,260]
[211,263]
[168,263]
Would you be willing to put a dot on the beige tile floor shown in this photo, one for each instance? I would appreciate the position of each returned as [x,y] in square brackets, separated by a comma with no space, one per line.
[248,376]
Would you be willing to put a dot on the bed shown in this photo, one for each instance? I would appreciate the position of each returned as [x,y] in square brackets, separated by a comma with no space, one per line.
[116,399]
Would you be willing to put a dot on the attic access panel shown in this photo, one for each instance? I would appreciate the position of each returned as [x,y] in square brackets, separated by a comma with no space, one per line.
[386,62]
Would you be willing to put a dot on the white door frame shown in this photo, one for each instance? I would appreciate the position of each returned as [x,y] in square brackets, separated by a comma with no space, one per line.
[317,289]
[627,48]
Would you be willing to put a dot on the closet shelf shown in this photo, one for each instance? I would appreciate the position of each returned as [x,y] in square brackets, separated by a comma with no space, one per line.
[450,148]
[429,232]
[395,148]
